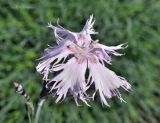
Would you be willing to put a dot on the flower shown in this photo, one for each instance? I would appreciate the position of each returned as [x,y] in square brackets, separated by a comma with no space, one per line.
[80,62]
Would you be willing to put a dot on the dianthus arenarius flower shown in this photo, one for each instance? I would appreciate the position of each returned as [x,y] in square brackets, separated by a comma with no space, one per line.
[80,62]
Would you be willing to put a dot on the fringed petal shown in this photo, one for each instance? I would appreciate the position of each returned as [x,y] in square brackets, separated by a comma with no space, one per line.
[47,65]
[102,55]
[89,26]
[106,81]
[62,34]
[52,51]
[71,79]
[112,49]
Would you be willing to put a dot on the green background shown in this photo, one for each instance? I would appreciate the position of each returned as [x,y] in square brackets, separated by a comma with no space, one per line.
[24,35]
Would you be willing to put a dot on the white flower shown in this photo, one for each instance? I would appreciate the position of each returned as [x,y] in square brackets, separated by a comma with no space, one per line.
[75,54]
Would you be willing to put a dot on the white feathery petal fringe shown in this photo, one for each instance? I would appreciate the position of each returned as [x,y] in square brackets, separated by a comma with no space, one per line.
[72,79]
[106,82]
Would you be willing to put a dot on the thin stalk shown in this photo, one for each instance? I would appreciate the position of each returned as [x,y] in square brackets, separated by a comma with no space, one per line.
[29,117]
[28,112]
[40,103]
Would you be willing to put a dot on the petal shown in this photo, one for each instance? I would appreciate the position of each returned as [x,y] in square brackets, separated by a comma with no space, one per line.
[112,49]
[89,26]
[101,54]
[51,58]
[62,34]
[52,51]
[71,79]
[106,81]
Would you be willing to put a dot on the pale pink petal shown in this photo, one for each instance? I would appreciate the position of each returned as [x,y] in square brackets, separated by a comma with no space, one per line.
[89,26]
[71,79]
[112,49]
[106,81]
[50,60]
[62,34]
[101,54]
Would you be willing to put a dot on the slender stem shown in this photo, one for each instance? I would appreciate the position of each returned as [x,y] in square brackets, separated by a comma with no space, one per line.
[40,103]
[28,112]
[30,104]
[29,117]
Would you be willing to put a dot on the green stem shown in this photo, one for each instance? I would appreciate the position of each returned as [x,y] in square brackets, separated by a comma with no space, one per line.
[40,103]
[29,117]
[27,110]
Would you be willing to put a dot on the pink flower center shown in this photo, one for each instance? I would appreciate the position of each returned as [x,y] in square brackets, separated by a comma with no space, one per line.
[81,51]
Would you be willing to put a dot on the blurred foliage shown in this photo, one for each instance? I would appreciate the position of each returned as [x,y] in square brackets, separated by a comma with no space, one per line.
[24,36]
